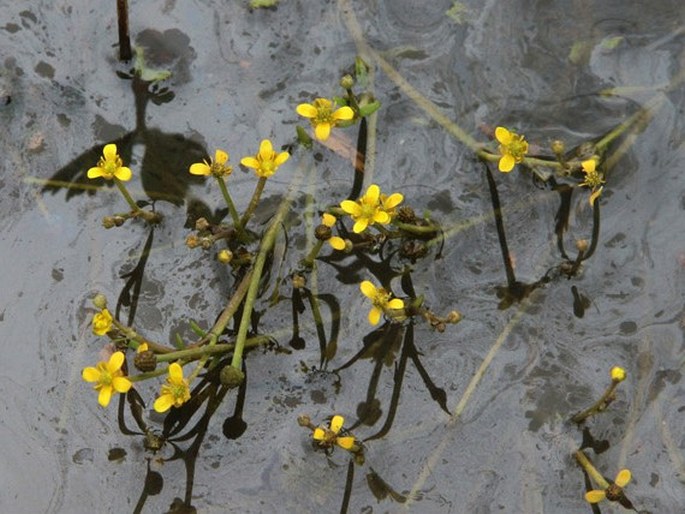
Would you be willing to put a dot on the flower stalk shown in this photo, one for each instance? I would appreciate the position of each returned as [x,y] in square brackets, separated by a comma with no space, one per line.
[618,375]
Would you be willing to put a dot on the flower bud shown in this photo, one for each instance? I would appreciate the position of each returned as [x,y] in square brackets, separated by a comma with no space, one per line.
[299,281]
[201,224]
[100,301]
[618,374]
[558,147]
[582,245]
[347,82]
[453,317]
[224,256]
[192,241]
[108,222]
[304,420]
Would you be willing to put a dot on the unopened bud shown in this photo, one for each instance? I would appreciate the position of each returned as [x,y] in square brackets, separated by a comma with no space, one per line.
[192,241]
[201,224]
[299,281]
[453,317]
[347,82]
[100,301]
[558,147]
[582,245]
[224,256]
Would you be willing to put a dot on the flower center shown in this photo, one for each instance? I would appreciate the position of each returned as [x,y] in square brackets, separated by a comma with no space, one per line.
[109,167]
[323,114]
[381,298]
[105,378]
[593,179]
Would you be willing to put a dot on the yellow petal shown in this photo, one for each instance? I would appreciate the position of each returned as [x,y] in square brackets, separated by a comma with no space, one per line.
[589,165]
[503,135]
[360,226]
[322,131]
[124,174]
[110,152]
[372,194]
[163,403]
[328,219]
[346,442]
[318,434]
[368,289]
[374,315]
[115,362]
[306,110]
[142,348]
[175,372]
[344,113]
[281,158]
[351,207]
[105,396]
[381,217]
[595,496]
[336,423]
[250,162]
[393,200]
[121,384]
[220,156]
[90,374]
[506,163]
[623,478]
[266,150]
[199,168]
[396,303]
[94,172]
[338,243]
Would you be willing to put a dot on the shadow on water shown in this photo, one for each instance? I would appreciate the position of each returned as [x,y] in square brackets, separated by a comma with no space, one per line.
[166,156]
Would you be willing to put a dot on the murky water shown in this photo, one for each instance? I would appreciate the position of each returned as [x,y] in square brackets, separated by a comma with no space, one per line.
[511,377]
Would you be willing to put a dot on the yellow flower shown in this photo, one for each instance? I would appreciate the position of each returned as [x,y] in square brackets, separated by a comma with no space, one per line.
[380,299]
[108,377]
[142,348]
[618,374]
[371,208]
[328,436]
[513,148]
[338,243]
[266,162]
[110,165]
[593,179]
[323,117]
[612,493]
[175,392]
[217,167]
[102,322]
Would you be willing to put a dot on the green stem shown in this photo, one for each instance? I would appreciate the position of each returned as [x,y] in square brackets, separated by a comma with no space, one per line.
[190,354]
[253,201]
[267,244]
[591,470]
[313,254]
[150,217]
[231,206]
[598,406]
[126,195]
